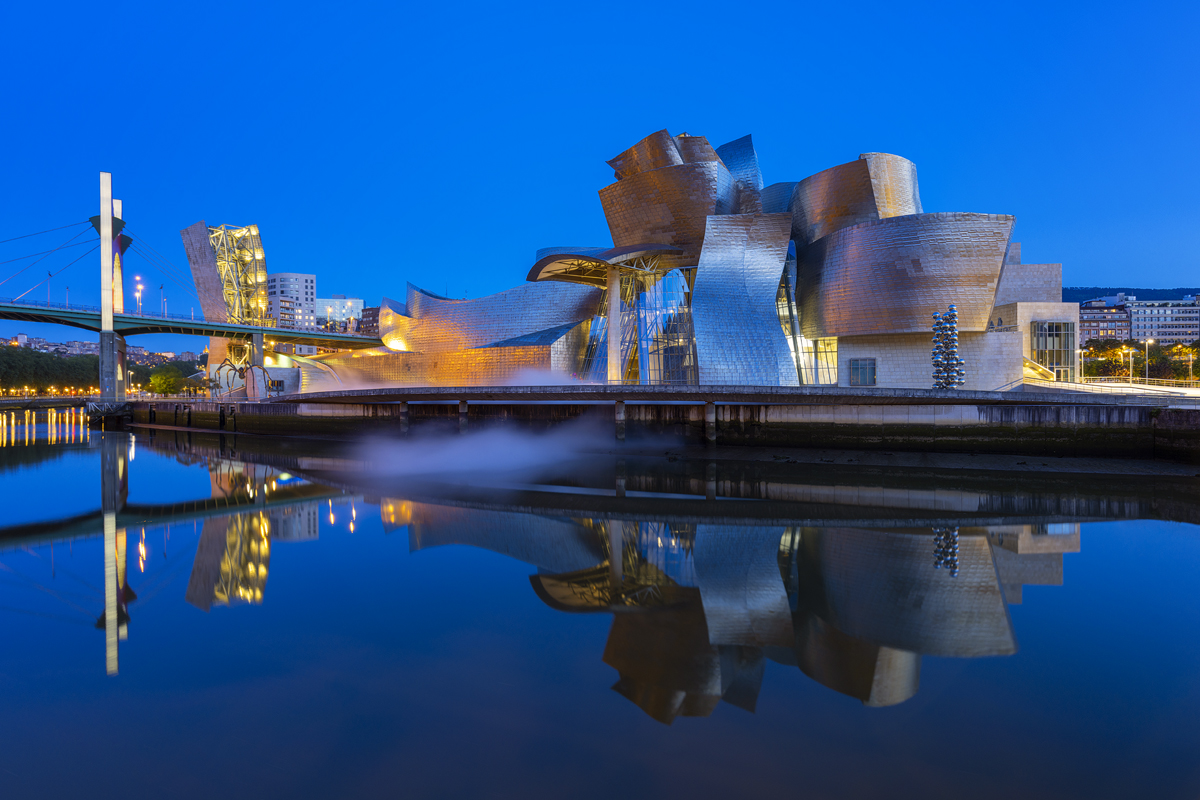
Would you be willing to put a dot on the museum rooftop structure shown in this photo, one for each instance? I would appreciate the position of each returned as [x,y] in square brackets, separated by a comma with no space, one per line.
[714,278]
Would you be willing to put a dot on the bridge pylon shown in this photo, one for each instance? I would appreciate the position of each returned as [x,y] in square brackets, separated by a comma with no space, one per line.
[112,344]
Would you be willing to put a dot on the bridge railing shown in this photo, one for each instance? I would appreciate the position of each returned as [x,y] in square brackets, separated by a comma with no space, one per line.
[148,314]
[93,309]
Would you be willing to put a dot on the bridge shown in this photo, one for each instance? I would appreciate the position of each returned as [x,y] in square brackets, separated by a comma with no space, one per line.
[91,318]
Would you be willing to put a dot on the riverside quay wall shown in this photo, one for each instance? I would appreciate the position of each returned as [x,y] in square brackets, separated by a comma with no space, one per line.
[813,417]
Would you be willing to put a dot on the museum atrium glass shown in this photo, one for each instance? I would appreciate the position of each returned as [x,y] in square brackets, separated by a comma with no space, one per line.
[1053,345]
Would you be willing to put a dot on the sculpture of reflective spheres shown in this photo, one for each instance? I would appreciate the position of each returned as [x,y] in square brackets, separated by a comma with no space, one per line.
[713,278]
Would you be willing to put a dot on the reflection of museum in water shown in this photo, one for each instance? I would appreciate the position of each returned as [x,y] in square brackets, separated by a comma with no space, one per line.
[709,569]
[698,609]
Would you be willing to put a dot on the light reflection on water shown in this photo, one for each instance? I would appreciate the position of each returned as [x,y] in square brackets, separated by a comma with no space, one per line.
[887,589]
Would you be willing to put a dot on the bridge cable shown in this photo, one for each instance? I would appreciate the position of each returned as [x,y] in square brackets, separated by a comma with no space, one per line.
[48,277]
[35,585]
[184,284]
[67,243]
[162,259]
[136,248]
[164,265]
[48,230]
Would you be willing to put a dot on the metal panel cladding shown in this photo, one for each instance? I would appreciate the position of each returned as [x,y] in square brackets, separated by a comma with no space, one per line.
[894,181]
[889,276]
[738,338]
[742,160]
[777,197]
[833,199]
[656,151]
[695,148]
[436,324]
[669,205]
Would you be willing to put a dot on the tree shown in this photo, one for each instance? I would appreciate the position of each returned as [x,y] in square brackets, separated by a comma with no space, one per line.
[165,380]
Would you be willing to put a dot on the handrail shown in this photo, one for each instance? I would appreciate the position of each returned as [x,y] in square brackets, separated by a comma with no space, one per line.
[1148,381]
[1096,388]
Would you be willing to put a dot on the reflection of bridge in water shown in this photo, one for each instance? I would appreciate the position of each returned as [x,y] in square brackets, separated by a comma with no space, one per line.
[250,505]
[710,570]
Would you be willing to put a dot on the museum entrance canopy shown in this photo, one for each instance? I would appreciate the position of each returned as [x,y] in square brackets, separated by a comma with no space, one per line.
[590,265]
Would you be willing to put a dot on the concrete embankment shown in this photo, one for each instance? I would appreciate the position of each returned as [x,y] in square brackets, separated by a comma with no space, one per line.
[39,403]
[1019,425]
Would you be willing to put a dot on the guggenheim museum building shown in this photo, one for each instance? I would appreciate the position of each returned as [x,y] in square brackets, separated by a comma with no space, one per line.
[715,278]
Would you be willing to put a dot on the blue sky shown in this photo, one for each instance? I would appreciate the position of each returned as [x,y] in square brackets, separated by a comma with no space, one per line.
[443,143]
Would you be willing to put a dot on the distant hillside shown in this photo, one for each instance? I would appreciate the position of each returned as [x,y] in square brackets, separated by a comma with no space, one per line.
[1078,294]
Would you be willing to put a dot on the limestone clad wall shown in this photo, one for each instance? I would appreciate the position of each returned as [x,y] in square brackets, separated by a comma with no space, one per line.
[1029,283]
[1021,314]
[902,361]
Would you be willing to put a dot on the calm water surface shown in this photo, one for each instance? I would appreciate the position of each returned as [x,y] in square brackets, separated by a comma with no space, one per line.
[199,616]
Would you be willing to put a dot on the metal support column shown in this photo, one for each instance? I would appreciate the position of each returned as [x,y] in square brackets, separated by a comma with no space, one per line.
[462,416]
[404,417]
[619,410]
[614,325]
[710,423]
[256,382]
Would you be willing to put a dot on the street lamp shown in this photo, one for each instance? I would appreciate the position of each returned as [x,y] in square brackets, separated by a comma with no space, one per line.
[1148,343]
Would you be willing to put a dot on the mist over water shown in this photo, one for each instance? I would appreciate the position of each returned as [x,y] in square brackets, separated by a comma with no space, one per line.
[495,450]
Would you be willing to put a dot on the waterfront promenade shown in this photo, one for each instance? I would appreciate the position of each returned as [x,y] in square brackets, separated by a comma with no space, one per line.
[1145,426]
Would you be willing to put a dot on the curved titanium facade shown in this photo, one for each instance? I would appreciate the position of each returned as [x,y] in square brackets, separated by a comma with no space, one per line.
[693,149]
[889,276]
[876,186]
[441,325]
[894,182]
[738,337]
[777,197]
[656,151]
[669,205]
[741,159]
[836,198]
[487,341]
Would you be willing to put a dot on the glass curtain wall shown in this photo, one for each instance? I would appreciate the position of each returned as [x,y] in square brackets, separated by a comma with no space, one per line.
[816,360]
[658,343]
[1052,344]
[789,314]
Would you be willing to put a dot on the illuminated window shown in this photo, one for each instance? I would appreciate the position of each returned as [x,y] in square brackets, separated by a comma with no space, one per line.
[862,372]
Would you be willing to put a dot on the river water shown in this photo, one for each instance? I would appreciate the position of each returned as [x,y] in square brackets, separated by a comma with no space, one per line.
[190,615]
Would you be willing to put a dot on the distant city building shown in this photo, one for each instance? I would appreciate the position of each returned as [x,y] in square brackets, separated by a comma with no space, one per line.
[187,355]
[370,321]
[1167,322]
[78,348]
[1103,318]
[340,313]
[296,349]
[291,300]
